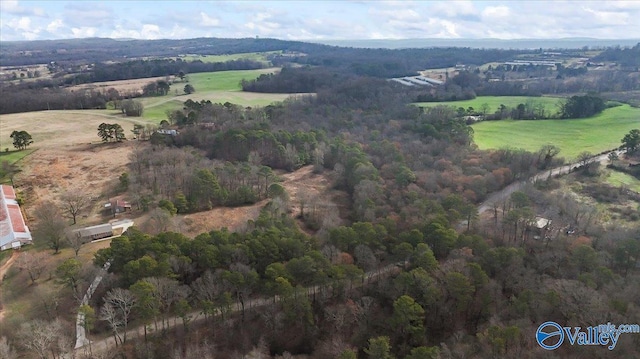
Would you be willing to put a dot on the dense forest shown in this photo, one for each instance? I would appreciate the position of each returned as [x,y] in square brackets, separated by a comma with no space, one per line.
[405,270]
[628,57]
[413,176]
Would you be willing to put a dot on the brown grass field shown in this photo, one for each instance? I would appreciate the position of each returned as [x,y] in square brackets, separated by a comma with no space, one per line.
[123,86]
[68,156]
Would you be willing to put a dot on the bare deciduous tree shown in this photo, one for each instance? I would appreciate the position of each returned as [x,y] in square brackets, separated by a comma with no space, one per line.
[160,220]
[109,314]
[121,301]
[75,240]
[6,350]
[74,202]
[33,263]
[41,337]
[167,293]
[50,226]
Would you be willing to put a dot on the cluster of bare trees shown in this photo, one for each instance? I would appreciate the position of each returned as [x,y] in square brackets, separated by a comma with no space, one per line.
[45,338]
[50,224]
[195,183]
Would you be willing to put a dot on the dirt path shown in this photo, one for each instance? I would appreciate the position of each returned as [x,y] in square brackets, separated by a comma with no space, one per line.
[3,270]
[302,182]
[499,196]
[107,343]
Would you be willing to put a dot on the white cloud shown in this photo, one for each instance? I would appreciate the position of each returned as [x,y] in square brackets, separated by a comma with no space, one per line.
[179,32]
[150,32]
[9,6]
[263,25]
[20,20]
[38,11]
[13,7]
[121,33]
[86,31]
[80,14]
[207,21]
[608,17]
[23,24]
[55,25]
[495,12]
[453,8]
[396,14]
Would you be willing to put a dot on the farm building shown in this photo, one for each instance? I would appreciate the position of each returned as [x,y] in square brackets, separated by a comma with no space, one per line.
[168,132]
[117,206]
[106,230]
[13,231]
[94,232]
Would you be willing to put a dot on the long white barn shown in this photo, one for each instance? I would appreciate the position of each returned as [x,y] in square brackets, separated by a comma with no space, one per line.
[14,233]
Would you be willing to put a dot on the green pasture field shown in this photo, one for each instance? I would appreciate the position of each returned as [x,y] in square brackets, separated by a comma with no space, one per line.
[158,112]
[255,56]
[494,102]
[222,80]
[616,178]
[217,87]
[572,136]
[14,156]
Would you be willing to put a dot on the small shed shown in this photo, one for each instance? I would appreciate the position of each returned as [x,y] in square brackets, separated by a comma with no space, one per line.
[117,206]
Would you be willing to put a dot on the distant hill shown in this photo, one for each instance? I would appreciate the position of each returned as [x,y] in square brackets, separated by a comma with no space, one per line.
[568,43]
[102,49]
[384,63]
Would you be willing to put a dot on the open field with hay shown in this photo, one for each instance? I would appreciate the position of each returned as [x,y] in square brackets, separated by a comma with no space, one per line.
[572,136]
[67,154]
[123,86]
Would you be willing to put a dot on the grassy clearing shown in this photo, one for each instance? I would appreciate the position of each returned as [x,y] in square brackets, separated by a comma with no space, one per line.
[618,179]
[14,156]
[158,112]
[255,56]
[24,301]
[572,136]
[251,99]
[224,80]
[218,87]
[494,102]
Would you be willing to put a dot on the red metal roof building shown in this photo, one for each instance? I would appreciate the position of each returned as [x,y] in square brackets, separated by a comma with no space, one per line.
[13,231]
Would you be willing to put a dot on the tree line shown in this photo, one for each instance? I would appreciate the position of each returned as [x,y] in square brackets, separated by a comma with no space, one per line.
[136,69]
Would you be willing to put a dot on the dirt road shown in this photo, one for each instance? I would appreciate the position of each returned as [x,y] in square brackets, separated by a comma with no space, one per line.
[105,344]
[499,196]
[3,270]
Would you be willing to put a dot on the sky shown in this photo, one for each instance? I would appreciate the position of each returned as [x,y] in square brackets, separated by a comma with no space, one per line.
[319,20]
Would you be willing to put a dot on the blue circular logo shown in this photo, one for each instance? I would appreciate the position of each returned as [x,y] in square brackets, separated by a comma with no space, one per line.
[547,333]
